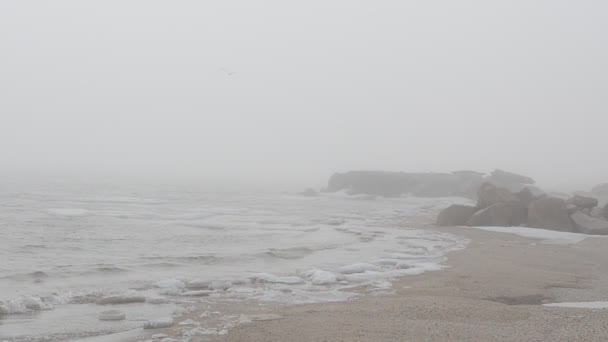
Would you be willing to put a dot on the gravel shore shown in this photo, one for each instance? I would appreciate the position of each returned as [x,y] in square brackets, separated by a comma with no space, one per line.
[493,290]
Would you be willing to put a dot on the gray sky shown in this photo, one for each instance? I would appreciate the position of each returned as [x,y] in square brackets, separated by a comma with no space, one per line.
[136,88]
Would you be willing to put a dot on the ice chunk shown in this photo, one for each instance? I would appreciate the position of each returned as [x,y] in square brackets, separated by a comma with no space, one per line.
[159,323]
[220,285]
[386,262]
[358,268]
[270,278]
[197,284]
[170,283]
[121,299]
[200,293]
[320,277]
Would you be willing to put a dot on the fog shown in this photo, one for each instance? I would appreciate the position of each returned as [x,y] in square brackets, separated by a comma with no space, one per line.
[286,93]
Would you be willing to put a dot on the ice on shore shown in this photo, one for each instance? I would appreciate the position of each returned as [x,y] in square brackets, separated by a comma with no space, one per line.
[580,305]
[549,237]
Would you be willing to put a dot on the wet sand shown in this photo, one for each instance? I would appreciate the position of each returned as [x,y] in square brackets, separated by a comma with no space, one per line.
[492,291]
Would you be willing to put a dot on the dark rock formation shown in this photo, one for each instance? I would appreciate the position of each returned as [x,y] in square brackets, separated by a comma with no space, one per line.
[462,183]
[550,213]
[309,193]
[395,184]
[525,196]
[504,177]
[589,225]
[489,194]
[583,202]
[600,190]
[455,215]
[502,214]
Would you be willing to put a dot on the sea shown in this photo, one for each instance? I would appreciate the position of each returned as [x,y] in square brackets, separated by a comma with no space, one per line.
[69,253]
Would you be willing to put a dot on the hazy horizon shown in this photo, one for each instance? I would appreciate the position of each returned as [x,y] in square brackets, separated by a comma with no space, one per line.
[287,94]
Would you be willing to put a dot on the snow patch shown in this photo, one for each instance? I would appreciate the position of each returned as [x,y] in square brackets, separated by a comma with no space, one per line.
[549,237]
[581,305]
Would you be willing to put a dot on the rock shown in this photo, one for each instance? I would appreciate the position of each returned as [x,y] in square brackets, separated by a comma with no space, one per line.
[597,212]
[583,202]
[112,315]
[536,191]
[455,215]
[550,213]
[489,194]
[159,323]
[506,214]
[395,184]
[605,212]
[309,193]
[571,208]
[505,177]
[525,196]
[126,299]
[600,190]
[589,225]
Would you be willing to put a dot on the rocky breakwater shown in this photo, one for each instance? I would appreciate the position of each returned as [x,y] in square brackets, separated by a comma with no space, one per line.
[394,184]
[499,206]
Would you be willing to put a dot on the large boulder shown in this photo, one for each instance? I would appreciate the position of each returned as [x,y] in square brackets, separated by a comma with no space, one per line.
[503,214]
[550,213]
[505,177]
[589,225]
[395,184]
[490,194]
[525,197]
[455,215]
[597,212]
[600,190]
[583,202]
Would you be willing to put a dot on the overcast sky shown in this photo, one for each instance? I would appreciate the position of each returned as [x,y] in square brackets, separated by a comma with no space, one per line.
[290,92]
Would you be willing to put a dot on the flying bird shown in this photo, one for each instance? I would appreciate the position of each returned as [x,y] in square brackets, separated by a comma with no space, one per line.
[228,72]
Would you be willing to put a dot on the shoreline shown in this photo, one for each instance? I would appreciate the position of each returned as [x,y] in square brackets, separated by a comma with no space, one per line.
[492,290]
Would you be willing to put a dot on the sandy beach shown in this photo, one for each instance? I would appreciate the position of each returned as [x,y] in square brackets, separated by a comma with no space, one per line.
[491,291]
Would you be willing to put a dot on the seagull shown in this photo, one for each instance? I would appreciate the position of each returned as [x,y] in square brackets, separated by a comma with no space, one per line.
[228,72]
